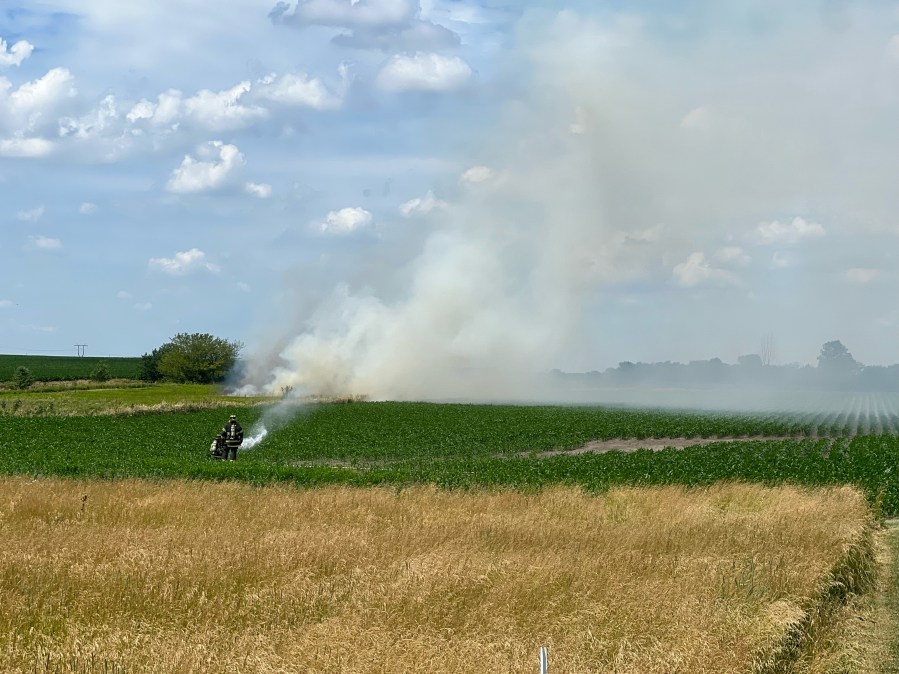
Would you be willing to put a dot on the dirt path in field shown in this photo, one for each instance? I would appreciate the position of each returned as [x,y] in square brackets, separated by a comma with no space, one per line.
[655,444]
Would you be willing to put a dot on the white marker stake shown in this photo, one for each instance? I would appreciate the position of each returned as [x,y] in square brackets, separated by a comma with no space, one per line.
[544,660]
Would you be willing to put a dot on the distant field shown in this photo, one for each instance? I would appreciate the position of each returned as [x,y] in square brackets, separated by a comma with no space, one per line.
[137,397]
[172,577]
[67,368]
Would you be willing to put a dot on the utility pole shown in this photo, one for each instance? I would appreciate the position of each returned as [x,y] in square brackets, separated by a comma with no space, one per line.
[80,349]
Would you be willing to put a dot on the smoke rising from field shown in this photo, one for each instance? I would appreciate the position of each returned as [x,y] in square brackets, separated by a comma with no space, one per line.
[630,161]
[257,435]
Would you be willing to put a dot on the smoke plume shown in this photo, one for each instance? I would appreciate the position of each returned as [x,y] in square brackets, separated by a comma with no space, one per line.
[629,156]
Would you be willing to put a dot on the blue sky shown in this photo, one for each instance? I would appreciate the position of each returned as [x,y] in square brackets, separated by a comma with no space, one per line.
[378,187]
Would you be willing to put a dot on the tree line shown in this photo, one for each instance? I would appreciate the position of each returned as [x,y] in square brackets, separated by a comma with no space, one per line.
[836,369]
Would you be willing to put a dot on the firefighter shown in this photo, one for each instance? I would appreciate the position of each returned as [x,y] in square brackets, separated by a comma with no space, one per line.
[217,450]
[233,437]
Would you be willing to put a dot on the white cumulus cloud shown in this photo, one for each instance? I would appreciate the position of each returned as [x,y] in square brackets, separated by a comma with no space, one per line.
[15,54]
[778,233]
[166,111]
[25,147]
[215,166]
[388,25]
[732,255]
[32,214]
[223,111]
[38,95]
[347,13]
[696,270]
[40,242]
[345,221]
[422,205]
[92,124]
[423,72]
[123,295]
[261,190]
[87,208]
[5,304]
[477,174]
[301,90]
[183,263]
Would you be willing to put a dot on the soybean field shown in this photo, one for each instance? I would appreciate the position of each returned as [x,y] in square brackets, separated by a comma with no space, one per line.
[462,446]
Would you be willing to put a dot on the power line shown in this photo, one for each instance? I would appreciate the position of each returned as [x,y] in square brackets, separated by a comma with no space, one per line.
[81,348]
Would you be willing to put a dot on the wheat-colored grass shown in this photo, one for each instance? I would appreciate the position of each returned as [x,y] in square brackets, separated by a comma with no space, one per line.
[191,577]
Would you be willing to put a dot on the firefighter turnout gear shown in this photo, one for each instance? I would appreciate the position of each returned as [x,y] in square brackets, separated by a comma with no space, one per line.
[233,433]
[217,449]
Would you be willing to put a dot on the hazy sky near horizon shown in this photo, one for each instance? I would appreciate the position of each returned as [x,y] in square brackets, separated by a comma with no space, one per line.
[593,181]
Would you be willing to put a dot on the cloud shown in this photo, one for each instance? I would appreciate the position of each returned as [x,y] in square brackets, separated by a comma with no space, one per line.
[92,124]
[14,55]
[697,271]
[347,13]
[260,190]
[40,242]
[423,72]
[25,147]
[216,165]
[217,111]
[32,215]
[477,174]
[6,304]
[123,295]
[183,263]
[732,255]
[243,286]
[143,306]
[388,25]
[781,260]
[39,95]
[300,89]
[87,208]
[166,111]
[223,111]
[860,275]
[422,205]
[345,221]
[421,35]
[777,233]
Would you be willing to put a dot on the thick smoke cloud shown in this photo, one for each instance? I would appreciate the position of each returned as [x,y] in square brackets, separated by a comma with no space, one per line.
[699,153]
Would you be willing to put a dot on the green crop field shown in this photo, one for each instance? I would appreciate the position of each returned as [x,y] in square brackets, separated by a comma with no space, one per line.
[453,446]
[66,368]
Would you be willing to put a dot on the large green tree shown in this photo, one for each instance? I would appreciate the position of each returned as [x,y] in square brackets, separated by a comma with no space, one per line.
[197,357]
[835,359]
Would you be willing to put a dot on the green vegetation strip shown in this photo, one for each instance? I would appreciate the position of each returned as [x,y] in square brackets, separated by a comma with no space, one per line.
[67,368]
[456,446]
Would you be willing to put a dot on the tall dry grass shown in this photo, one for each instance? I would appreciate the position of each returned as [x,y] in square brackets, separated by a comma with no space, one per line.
[187,577]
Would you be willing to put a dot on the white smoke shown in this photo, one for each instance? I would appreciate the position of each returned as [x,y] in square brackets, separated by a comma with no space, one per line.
[610,171]
[257,435]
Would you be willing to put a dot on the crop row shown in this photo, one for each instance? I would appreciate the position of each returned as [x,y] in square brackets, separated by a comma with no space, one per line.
[450,445]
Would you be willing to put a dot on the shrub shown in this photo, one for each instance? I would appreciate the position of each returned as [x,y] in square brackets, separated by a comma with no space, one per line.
[101,373]
[23,378]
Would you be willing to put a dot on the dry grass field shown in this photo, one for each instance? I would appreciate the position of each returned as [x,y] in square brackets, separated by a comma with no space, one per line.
[134,576]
